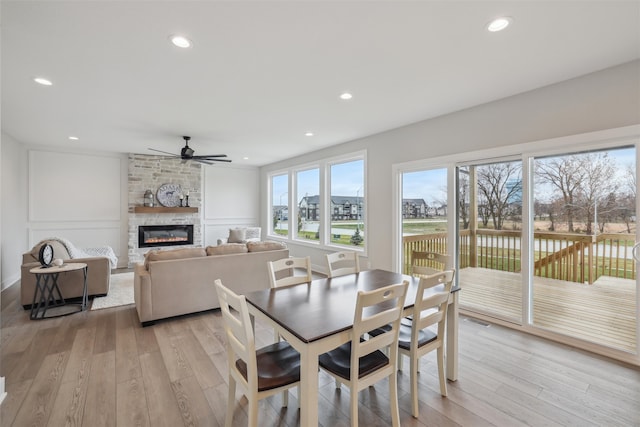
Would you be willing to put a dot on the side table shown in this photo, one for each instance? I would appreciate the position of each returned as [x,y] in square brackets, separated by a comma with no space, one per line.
[47,295]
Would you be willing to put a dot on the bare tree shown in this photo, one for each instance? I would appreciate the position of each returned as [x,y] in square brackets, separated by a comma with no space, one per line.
[566,174]
[501,186]
[597,193]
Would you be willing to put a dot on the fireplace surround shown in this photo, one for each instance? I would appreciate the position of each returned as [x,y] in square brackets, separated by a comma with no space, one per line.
[165,235]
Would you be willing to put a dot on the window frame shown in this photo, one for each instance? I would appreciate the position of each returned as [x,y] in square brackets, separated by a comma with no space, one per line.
[324,185]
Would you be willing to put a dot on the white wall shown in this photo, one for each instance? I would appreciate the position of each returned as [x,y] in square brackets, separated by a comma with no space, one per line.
[14,208]
[602,100]
[80,196]
[231,198]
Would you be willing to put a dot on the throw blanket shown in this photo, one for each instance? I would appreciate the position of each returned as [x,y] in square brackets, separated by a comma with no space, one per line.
[74,252]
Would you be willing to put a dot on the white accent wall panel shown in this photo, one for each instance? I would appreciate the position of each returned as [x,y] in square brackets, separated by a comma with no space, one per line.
[73,187]
[80,197]
[231,198]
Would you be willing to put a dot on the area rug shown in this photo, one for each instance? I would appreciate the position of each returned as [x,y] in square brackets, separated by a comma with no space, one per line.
[120,292]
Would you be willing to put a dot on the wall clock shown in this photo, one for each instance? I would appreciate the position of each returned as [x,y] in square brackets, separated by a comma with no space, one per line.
[46,255]
[169,195]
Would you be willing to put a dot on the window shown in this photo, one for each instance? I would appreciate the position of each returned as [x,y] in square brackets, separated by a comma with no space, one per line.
[280,204]
[308,191]
[322,204]
[347,202]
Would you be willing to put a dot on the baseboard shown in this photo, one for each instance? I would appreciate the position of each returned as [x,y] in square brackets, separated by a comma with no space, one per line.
[10,281]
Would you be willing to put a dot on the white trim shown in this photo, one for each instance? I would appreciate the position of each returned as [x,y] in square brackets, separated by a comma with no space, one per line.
[3,394]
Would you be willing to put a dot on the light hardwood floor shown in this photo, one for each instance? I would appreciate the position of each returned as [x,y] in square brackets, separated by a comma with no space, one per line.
[102,368]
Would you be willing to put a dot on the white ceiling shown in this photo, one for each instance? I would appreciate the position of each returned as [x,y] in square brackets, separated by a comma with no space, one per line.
[261,74]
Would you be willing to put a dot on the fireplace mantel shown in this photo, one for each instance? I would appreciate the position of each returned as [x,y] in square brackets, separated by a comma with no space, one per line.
[162,209]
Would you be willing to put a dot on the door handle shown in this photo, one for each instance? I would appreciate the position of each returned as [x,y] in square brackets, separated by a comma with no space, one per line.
[635,253]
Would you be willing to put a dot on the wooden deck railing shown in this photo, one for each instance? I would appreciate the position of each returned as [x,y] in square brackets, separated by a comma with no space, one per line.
[563,256]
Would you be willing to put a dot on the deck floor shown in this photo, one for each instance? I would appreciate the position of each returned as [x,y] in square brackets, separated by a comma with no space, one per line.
[604,312]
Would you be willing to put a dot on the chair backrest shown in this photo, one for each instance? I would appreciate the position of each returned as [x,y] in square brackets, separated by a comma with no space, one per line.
[282,272]
[432,309]
[386,305]
[341,263]
[237,324]
[428,263]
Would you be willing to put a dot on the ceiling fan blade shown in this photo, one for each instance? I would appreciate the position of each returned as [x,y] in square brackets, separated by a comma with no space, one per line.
[159,151]
[215,160]
[206,162]
[209,156]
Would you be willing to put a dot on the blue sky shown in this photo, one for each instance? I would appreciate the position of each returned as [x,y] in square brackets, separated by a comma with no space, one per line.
[347,179]
[430,185]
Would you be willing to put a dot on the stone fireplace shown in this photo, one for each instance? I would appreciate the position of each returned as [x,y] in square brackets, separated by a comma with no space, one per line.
[149,173]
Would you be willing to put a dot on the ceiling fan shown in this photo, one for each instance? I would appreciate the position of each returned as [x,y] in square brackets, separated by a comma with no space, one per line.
[187,154]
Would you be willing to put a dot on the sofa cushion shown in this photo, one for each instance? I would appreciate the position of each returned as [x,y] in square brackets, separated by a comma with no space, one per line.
[158,255]
[227,248]
[237,235]
[265,246]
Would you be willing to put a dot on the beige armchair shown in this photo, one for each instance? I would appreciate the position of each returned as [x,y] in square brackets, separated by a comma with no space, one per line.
[71,283]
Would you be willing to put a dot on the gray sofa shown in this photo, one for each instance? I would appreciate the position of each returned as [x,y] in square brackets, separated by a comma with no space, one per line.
[175,282]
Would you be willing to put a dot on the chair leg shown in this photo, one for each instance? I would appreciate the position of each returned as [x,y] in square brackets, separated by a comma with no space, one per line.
[400,361]
[252,414]
[354,406]
[393,396]
[413,362]
[285,398]
[231,401]
[442,368]
[337,384]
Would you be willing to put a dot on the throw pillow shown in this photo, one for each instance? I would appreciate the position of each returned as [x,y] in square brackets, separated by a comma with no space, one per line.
[237,235]
[265,246]
[253,233]
[227,248]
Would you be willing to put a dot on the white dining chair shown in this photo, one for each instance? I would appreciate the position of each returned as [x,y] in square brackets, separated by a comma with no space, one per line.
[260,373]
[417,337]
[341,263]
[428,263]
[286,271]
[360,363]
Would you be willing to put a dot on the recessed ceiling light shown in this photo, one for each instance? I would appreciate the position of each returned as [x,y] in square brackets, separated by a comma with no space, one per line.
[43,81]
[308,134]
[245,158]
[73,138]
[181,41]
[346,96]
[499,24]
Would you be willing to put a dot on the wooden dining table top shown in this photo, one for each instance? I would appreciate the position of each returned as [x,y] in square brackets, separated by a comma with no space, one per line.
[323,307]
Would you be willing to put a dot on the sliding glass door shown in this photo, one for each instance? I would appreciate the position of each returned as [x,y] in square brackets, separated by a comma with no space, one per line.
[584,211]
[489,238]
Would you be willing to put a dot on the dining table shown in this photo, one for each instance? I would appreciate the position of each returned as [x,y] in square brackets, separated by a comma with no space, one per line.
[317,316]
